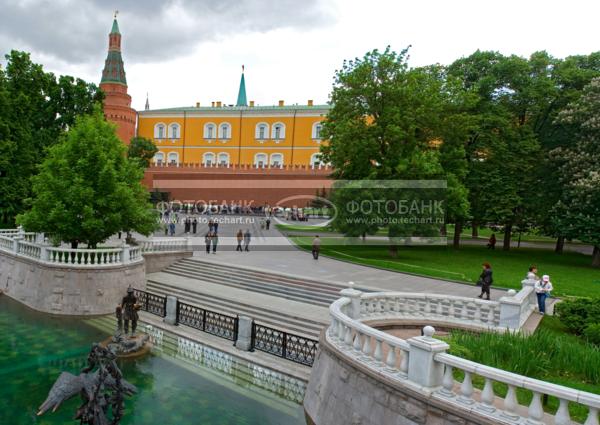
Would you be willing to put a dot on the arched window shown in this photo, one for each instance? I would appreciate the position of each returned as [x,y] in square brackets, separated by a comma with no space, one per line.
[159,131]
[224,159]
[209,131]
[276,160]
[278,131]
[260,160]
[224,131]
[316,130]
[173,158]
[262,131]
[315,160]
[208,159]
[174,131]
[159,158]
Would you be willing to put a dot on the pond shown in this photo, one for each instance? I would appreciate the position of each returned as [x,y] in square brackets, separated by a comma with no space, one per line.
[180,382]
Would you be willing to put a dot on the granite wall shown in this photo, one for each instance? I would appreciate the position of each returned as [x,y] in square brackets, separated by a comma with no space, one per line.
[341,391]
[65,290]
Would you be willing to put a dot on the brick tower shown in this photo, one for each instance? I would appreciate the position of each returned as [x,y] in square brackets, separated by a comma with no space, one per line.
[117,103]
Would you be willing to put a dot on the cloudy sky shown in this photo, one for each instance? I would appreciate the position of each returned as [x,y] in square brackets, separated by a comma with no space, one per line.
[187,51]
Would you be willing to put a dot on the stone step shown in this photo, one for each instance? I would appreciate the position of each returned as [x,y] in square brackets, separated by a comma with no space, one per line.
[283,290]
[287,322]
[264,275]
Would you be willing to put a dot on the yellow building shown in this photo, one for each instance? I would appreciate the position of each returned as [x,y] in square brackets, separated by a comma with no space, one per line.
[240,134]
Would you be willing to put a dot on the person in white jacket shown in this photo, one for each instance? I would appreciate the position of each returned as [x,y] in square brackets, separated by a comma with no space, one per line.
[542,289]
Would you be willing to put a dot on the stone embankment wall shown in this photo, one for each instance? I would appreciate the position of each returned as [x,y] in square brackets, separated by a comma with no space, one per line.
[344,392]
[68,290]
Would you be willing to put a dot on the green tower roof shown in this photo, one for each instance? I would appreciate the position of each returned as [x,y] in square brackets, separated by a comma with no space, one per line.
[242,100]
[114,70]
[115,27]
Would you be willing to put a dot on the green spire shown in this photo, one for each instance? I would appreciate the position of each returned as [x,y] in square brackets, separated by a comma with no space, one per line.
[241,100]
[115,27]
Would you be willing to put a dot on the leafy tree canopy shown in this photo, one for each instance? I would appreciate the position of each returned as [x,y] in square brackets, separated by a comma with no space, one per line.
[87,189]
[142,149]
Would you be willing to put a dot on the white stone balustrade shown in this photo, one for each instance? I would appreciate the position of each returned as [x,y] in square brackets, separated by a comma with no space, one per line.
[423,364]
[29,245]
[165,245]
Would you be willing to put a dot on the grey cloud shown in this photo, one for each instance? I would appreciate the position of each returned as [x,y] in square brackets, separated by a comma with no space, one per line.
[76,30]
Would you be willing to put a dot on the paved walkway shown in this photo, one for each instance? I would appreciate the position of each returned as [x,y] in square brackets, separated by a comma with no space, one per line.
[271,251]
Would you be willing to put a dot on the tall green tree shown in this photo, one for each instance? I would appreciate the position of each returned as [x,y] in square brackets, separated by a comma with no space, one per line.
[142,150]
[35,108]
[578,166]
[87,189]
[381,127]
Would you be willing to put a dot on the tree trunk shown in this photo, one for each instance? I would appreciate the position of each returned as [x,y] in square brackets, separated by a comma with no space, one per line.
[475,230]
[596,256]
[507,236]
[74,244]
[444,230]
[457,231]
[560,245]
[393,249]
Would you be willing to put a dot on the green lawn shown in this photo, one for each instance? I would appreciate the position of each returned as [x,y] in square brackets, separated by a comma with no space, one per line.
[485,233]
[302,228]
[570,272]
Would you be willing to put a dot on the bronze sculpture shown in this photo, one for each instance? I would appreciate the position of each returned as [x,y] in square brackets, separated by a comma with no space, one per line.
[129,307]
[103,391]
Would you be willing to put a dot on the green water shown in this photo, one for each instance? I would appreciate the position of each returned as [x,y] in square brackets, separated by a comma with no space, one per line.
[35,348]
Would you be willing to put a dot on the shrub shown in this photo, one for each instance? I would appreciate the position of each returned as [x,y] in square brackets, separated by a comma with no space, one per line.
[577,314]
[592,333]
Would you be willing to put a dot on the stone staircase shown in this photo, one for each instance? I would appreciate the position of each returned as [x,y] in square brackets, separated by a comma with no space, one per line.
[295,305]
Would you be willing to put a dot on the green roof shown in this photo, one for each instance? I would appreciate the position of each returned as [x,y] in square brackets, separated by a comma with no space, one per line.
[114,70]
[241,100]
[115,27]
[237,108]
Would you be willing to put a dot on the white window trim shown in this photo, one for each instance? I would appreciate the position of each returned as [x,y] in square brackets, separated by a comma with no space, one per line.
[280,155]
[158,124]
[257,131]
[282,132]
[205,131]
[159,156]
[213,160]
[169,129]
[176,157]
[314,130]
[265,162]
[221,126]
[228,158]
[315,161]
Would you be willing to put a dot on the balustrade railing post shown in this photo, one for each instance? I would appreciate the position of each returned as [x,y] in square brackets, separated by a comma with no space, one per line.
[422,367]
[354,295]
[510,311]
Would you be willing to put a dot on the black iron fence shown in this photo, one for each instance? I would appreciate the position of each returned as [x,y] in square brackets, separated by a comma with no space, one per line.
[152,303]
[273,341]
[283,344]
[207,321]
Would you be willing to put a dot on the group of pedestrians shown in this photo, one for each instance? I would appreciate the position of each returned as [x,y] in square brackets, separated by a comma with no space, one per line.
[243,237]
[211,239]
[543,287]
[190,225]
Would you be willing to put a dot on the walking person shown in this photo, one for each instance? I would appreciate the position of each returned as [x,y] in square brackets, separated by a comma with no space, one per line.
[485,280]
[247,238]
[268,222]
[240,239]
[542,289]
[216,227]
[172,228]
[211,225]
[215,241]
[492,242]
[194,225]
[186,225]
[316,247]
[207,241]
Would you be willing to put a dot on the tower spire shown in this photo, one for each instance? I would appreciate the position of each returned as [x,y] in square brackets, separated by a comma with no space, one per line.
[147,107]
[114,71]
[242,100]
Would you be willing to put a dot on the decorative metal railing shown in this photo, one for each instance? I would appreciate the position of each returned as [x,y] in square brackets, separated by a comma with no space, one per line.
[152,303]
[207,321]
[289,346]
[283,344]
